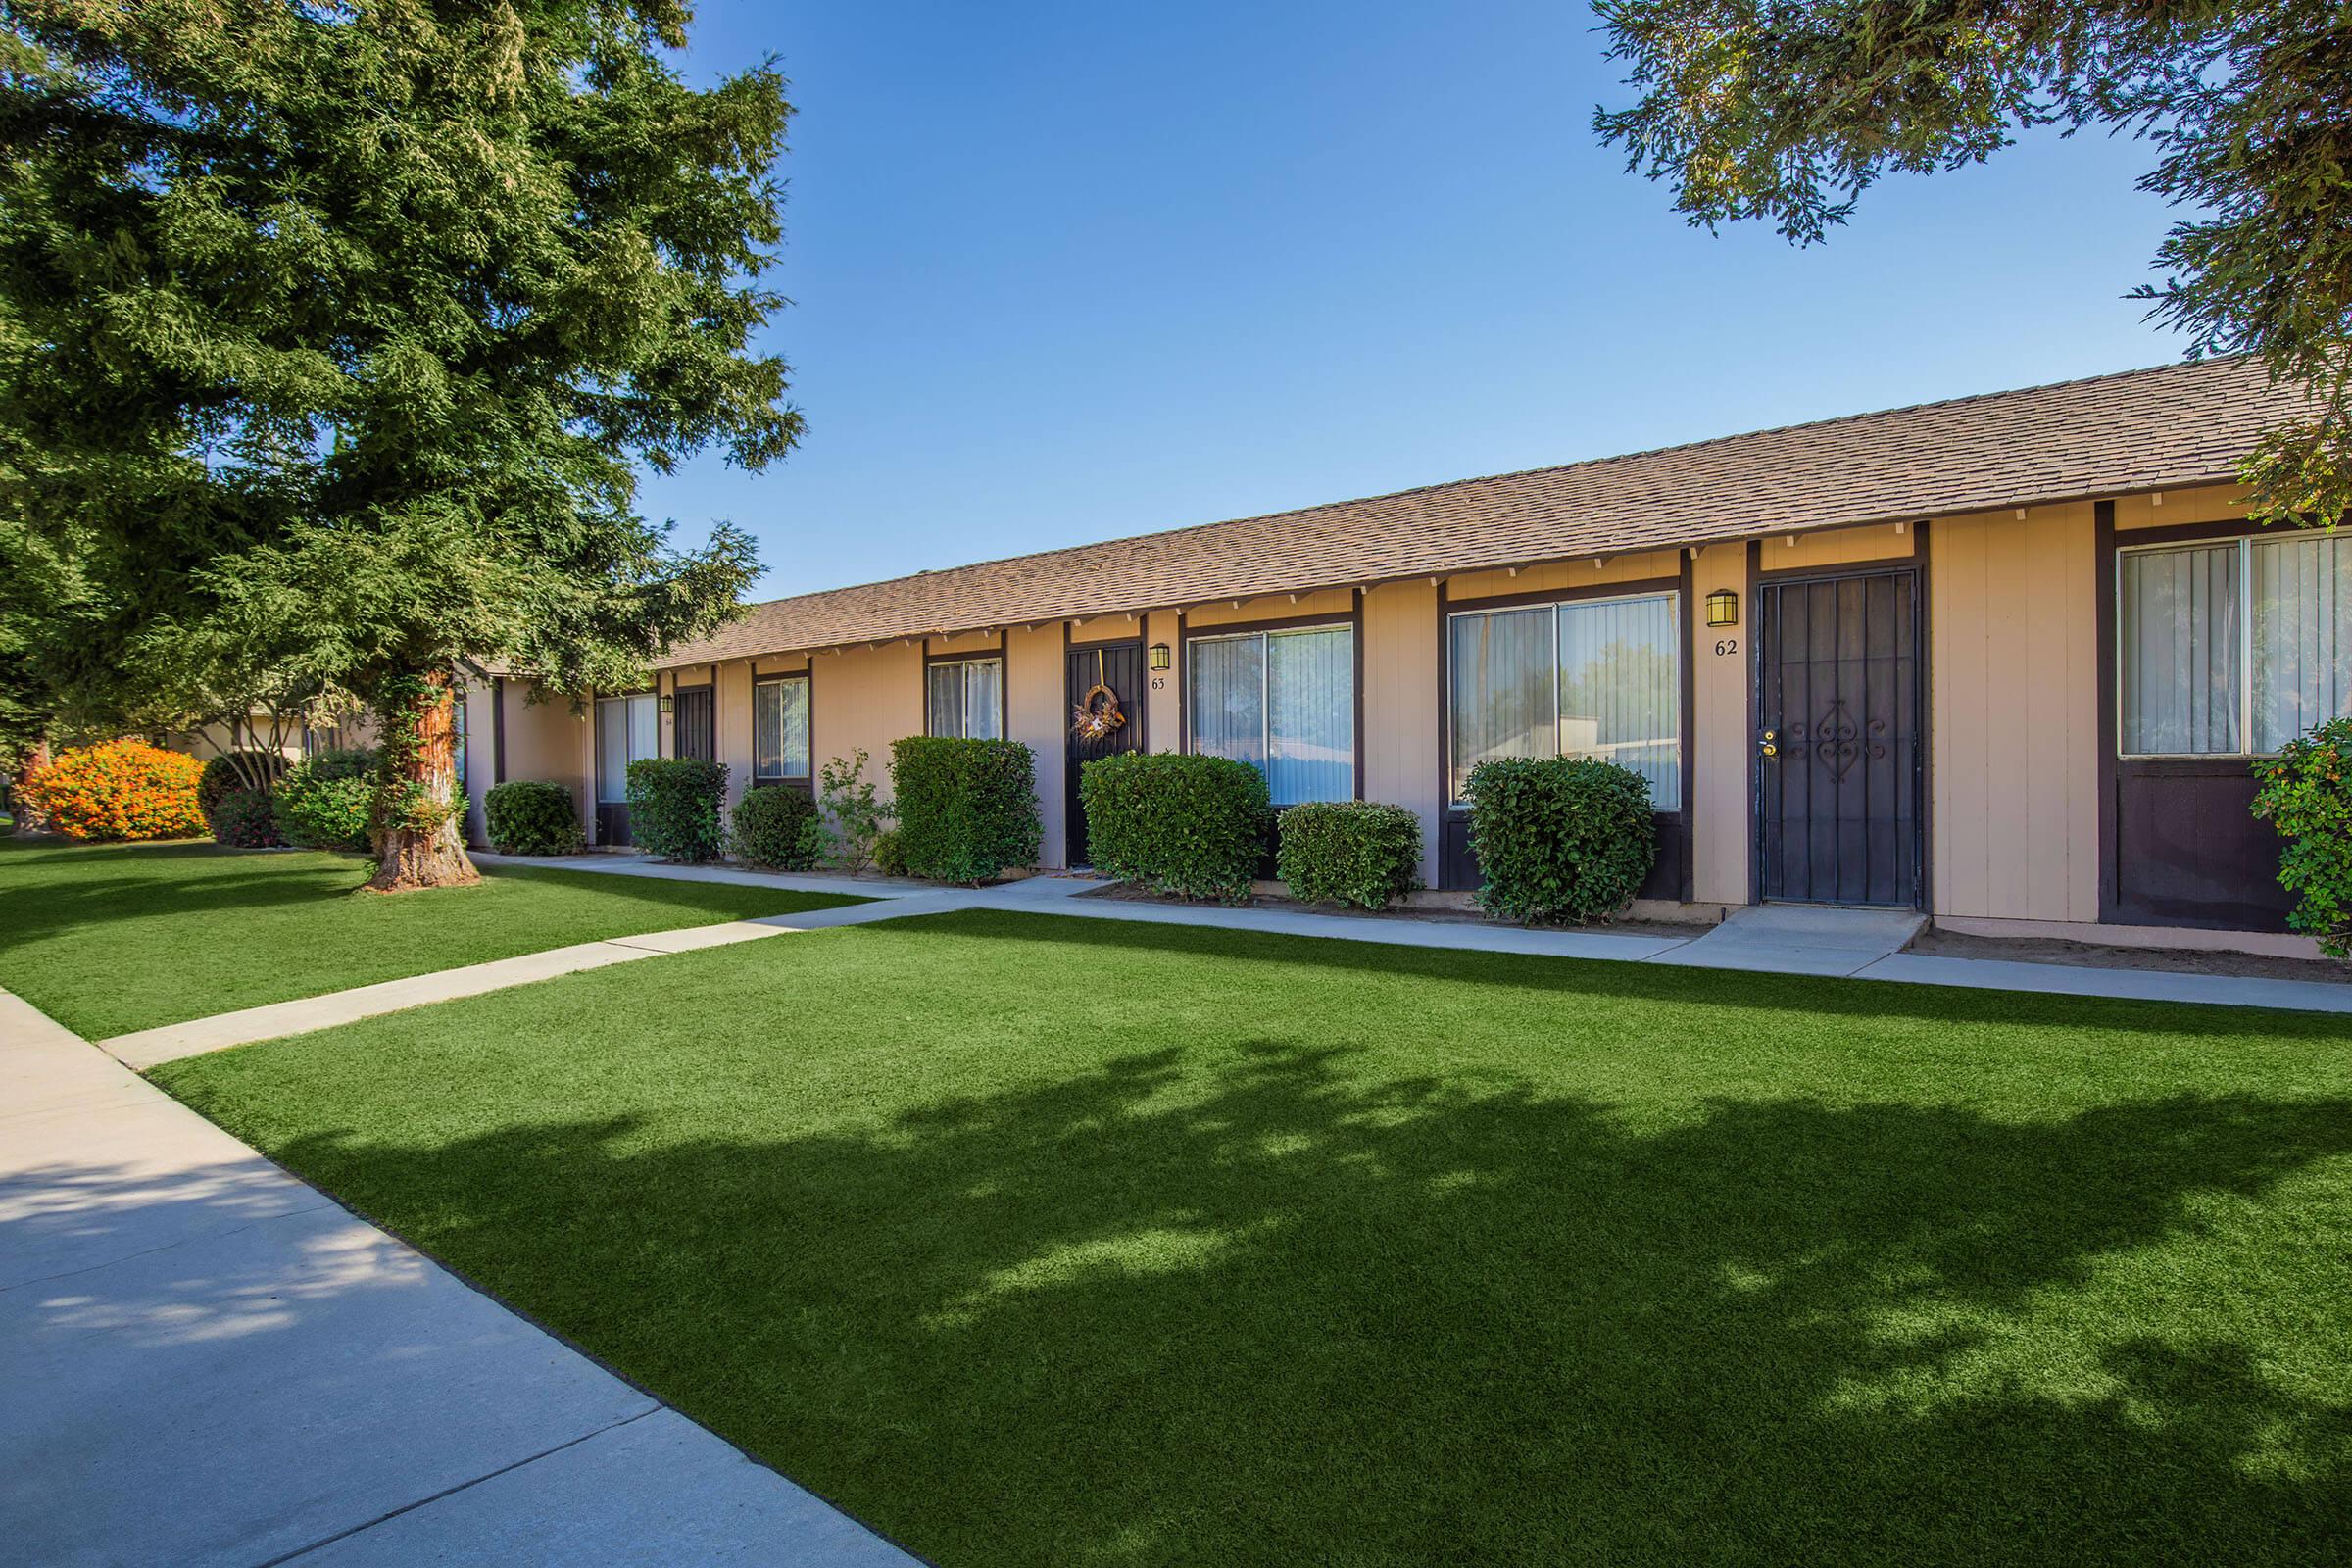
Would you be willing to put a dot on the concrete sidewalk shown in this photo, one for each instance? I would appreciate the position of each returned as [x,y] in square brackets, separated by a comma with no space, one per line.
[206,1361]
[1866,949]
[146,1048]
[1771,939]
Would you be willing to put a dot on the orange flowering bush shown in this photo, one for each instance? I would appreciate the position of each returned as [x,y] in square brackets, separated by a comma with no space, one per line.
[122,789]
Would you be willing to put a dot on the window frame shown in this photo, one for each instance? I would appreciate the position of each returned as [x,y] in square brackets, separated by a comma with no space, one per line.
[984,655]
[807,702]
[1670,591]
[1347,623]
[596,783]
[2244,544]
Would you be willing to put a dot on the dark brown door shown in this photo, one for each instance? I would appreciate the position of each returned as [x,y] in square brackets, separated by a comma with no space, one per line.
[1119,667]
[694,723]
[1838,758]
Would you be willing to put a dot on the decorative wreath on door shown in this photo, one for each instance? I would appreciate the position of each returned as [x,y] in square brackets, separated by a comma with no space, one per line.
[1097,711]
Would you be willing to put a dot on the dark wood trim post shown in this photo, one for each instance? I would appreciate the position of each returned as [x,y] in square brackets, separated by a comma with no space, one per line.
[2103,613]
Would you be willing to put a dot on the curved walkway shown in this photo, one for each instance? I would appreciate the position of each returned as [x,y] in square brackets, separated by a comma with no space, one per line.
[209,1362]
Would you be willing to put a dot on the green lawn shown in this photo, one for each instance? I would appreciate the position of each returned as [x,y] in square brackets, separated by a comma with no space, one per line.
[110,938]
[1033,1239]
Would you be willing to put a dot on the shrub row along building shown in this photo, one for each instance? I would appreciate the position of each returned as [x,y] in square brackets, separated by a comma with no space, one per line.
[2006,660]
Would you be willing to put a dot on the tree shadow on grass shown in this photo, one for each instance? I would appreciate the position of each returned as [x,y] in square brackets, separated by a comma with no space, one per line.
[1263,1306]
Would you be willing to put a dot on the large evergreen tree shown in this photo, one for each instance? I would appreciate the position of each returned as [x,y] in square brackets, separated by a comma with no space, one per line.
[330,334]
[1787,110]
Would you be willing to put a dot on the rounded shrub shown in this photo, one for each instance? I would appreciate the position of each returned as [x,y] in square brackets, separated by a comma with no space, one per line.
[887,858]
[1191,826]
[968,808]
[232,771]
[327,800]
[1350,852]
[675,806]
[2305,794]
[776,828]
[246,819]
[532,816]
[119,790]
[1560,838]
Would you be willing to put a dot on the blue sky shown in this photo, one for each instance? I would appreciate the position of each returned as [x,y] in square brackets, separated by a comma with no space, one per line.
[1068,272]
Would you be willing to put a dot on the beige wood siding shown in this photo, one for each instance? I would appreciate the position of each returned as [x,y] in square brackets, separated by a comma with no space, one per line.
[1401,707]
[1033,707]
[549,741]
[1722,819]
[1643,567]
[2013,673]
[1163,699]
[1336,602]
[1837,547]
[731,699]
[2210,504]
[863,698]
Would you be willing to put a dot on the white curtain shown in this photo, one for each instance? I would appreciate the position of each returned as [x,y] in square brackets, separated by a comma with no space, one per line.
[967,699]
[982,698]
[626,728]
[780,729]
[1502,678]
[2178,621]
[1621,690]
[1310,716]
[2302,636]
[611,748]
[1228,691]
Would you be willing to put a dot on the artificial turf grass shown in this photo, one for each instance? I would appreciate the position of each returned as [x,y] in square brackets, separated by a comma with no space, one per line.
[110,938]
[1042,1240]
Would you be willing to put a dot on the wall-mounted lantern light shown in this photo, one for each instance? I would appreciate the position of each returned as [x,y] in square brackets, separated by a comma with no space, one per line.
[1159,655]
[667,703]
[1722,607]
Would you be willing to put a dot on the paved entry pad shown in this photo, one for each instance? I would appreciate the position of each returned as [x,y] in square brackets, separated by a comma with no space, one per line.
[1802,938]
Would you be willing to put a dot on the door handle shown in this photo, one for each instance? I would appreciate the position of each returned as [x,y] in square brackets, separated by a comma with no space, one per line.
[1767,746]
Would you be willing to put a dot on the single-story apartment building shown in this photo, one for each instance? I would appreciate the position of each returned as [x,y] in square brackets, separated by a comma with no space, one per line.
[2006,660]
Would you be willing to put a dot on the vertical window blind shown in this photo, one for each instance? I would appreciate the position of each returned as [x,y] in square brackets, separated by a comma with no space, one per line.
[2231,649]
[780,728]
[967,699]
[1284,701]
[1591,677]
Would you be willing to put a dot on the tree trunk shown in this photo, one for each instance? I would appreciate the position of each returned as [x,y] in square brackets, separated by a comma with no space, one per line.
[415,856]
[23,819]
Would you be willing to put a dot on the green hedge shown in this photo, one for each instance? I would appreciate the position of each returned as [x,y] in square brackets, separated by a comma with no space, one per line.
[1350,852]
[1560,838]
[776,828]
[1193,826]
[675,806]
[245,819]
[966,809]
[532,816]
[231,771]
[328,801]
[2306,797]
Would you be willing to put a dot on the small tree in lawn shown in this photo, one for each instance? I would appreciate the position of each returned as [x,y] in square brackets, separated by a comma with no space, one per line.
[337,330]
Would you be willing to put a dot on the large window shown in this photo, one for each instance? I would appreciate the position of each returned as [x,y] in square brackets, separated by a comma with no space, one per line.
[967,699]
[627,729]
[1591,677]
[1284,701]
[2231,649]
[780,728]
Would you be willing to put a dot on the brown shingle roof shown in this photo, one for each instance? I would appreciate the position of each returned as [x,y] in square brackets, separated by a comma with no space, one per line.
[2170,427]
